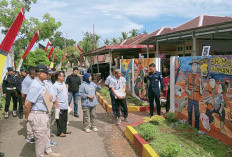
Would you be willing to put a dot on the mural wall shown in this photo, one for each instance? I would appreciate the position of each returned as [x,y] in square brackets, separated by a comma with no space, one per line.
[134,71]
[203,91]
[126,69]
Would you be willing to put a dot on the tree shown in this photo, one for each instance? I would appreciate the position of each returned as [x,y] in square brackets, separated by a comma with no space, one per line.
[114,41]
[134,33]
[61,42]
[73,54]
[89,42]
[8,13]
[34,58]
[124,35]
[106,41]
[144,32]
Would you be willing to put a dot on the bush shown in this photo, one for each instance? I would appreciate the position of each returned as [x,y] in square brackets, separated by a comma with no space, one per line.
[147,131]
[171,117]
[157,119]
[170,150]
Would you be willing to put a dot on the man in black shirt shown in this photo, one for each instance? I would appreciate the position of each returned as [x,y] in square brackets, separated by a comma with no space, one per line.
[19,80]
[9,91]
[73,82]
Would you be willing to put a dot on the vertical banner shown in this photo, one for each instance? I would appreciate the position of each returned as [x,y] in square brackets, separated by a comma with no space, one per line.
[53,59]
[126,69]
[9,40]
[31,44]
[50,53]
[46,48]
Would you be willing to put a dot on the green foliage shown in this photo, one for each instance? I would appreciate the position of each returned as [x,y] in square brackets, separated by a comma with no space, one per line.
[170,150]
[89,42]
[156,119]
[34,58]
[73,54]
[106,41]
[8,13]
[114,41]
[61,42]
[147,131]
[134,33]
[171,117]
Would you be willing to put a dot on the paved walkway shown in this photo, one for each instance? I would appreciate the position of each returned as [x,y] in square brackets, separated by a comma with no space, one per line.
[109,141]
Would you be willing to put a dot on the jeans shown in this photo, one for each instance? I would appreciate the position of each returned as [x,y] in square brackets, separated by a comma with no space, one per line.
[75,97]
[195,104]
[121,103]
[113,102]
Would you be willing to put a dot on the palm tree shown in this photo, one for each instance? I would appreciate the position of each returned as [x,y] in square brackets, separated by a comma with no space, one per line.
[114,41]
[124,35]
[106,41]
[144,32]
[134,33]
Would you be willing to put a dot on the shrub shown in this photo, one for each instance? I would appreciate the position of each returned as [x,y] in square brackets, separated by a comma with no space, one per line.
[157,119]
[171,117]
[147,131]
[170,150]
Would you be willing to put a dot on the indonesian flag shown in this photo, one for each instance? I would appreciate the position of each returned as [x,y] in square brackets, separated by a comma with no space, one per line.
[63,58]
[79,49]
[49,43]
[9,40]
[50,53]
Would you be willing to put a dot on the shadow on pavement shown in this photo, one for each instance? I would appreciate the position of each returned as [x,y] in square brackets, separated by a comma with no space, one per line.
[28,150]
[23,130]
[76,124]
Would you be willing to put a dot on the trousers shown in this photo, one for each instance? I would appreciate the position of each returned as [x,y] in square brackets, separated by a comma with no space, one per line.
[10,94]
[89,115]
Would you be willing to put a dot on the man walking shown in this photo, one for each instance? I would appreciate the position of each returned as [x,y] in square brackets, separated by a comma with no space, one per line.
[19,80]
[9,91]
[107,83]
[154,90]
[61,104]
[36,113]
[73,82]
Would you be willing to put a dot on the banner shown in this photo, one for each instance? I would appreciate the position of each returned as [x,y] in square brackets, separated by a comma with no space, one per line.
[47,46]
[50,53]
[31,44]
[53,59]
[9,40]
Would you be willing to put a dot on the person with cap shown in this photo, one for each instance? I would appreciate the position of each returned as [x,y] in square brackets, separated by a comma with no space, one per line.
[107,83]
[19,80]
[73,82]
[25,88]
[36,113]
[89,102]
[193,87]
[9,91]
[61,104]
[118,87]
[155,77]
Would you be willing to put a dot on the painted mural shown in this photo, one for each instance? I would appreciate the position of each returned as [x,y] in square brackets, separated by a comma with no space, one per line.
[126,69]
[141,66]
[203,92]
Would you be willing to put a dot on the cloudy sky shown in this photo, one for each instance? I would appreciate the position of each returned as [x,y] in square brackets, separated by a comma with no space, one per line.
[111,17]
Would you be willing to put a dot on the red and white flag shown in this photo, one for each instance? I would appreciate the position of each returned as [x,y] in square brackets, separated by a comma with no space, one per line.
[46,48]
[50,53]
[8,41]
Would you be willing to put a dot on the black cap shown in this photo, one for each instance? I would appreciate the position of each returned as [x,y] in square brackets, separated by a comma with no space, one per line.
[10,69]
[23,69]
[41,68]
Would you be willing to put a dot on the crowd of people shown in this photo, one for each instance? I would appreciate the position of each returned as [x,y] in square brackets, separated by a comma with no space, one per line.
[31,87]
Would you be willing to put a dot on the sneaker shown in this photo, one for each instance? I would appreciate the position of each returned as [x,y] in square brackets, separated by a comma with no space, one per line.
[76,115]
[119,121]
[53,155]
[95,129]
[32,140]
[14,114]
[87,130]
[6,115]
[126,120]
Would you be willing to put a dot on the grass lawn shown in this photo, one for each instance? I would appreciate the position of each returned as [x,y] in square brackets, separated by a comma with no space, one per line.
[181,140]
[131,101]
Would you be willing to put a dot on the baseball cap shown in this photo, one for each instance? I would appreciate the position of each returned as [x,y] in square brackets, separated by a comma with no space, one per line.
[23,69]
[9,69]
[41,68]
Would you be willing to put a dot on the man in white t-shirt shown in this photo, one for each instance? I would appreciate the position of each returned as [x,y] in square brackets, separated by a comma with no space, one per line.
[118,87]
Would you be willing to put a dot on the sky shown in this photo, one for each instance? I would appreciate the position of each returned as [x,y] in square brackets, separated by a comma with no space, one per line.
[111,17]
